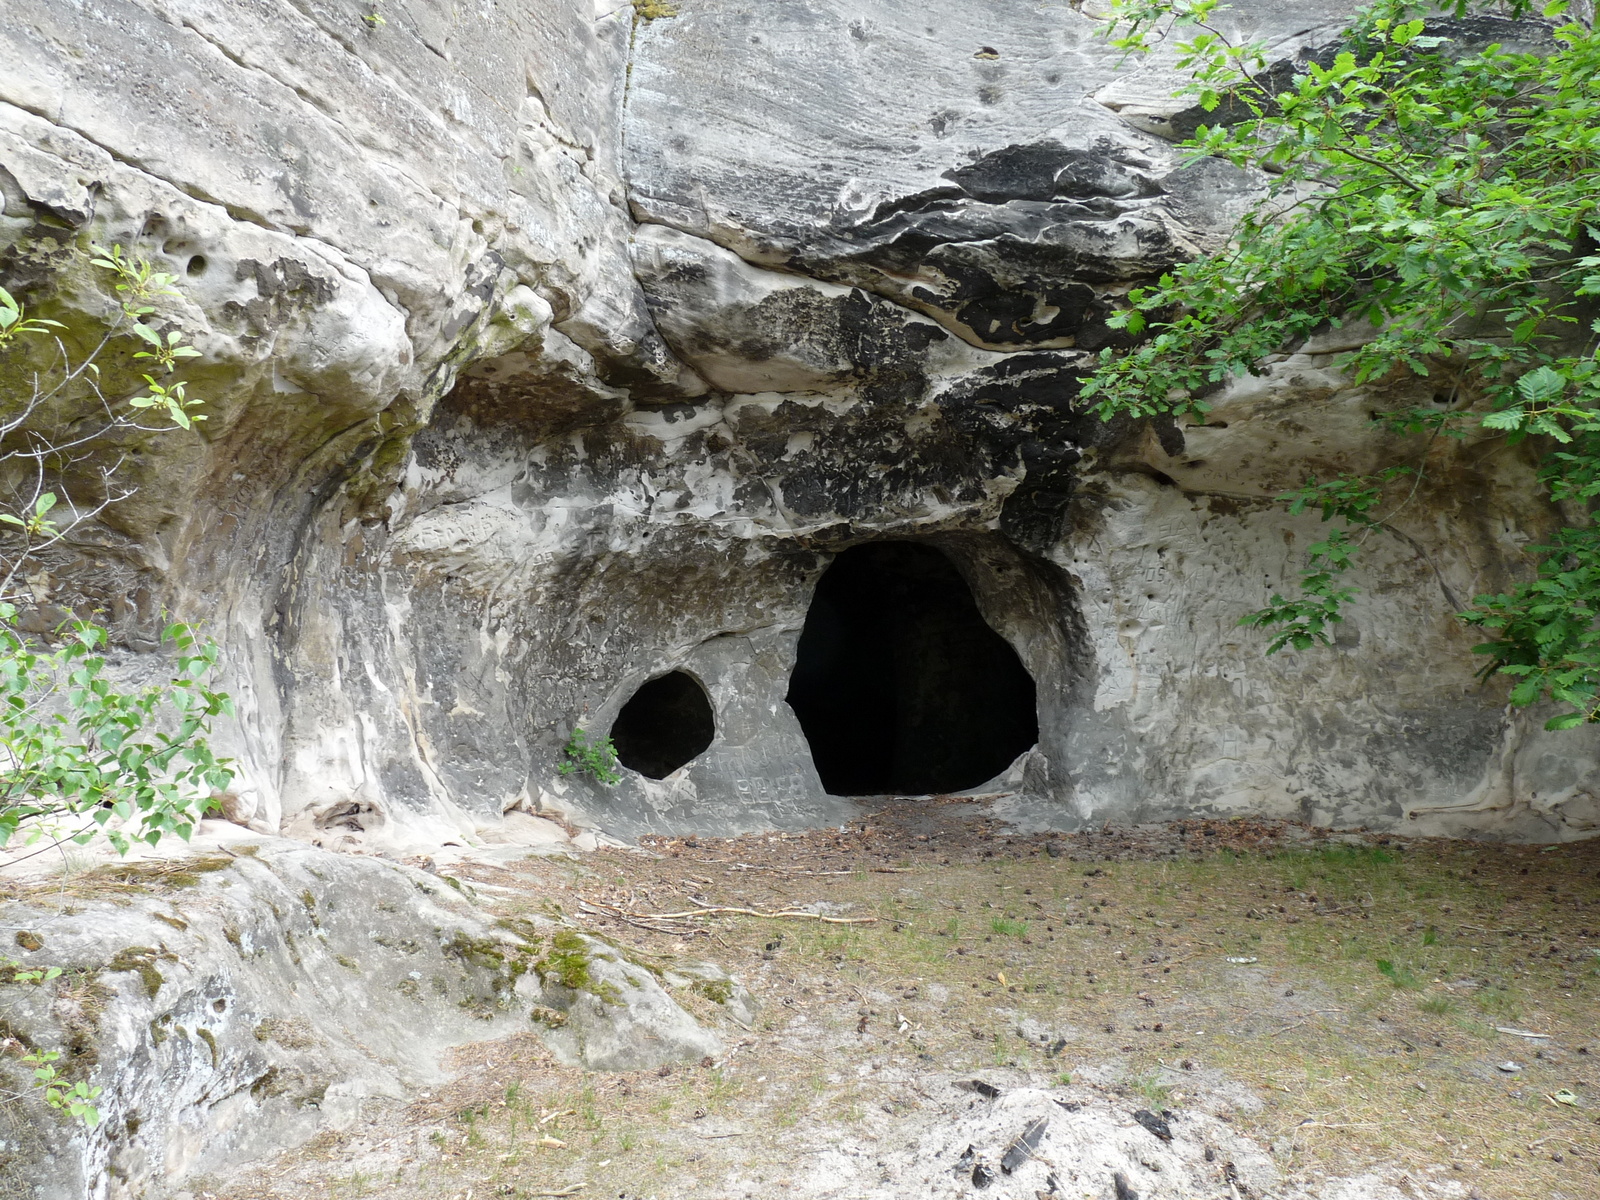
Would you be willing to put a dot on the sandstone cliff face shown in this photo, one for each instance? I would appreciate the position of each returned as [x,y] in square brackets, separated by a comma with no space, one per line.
[551,349]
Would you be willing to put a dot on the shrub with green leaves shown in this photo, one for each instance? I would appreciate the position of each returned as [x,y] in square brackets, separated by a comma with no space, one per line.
[81,756]
[1443,192]
[75,1099]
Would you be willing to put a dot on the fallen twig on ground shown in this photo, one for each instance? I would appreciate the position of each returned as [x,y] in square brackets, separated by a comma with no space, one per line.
[598,909]
[739,866]
[1321,1012]
[712,910]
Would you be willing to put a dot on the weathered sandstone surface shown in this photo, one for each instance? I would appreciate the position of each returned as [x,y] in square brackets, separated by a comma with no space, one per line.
[549,350]
[244,997]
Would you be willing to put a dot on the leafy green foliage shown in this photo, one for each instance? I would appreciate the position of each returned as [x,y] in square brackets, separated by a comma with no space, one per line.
[597,759]
[80,756]
[76,750]
[79,751]
[140,285]
[75,1099]
[1303,621]
[14,320]
[1444,195]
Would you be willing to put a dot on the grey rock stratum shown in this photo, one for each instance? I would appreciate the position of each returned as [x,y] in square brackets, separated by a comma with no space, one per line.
[551,350]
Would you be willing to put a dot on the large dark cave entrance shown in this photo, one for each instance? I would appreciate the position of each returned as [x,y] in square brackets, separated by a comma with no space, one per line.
[665,724]
[899,684]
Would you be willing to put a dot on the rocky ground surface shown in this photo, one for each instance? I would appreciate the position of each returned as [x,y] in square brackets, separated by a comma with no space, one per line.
[1201,1009]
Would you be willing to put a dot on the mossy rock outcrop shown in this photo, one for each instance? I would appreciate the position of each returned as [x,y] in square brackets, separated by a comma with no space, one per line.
[295,984]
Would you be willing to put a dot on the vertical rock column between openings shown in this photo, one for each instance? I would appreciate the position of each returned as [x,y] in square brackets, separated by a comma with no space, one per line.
[666,723]
[899,683]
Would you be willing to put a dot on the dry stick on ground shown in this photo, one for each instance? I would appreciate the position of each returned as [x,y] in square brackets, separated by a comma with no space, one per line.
[618,914]
[712,910]
[739,866]
[1296,1024]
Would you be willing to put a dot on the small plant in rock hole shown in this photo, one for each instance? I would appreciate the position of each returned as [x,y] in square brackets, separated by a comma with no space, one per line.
[596,758]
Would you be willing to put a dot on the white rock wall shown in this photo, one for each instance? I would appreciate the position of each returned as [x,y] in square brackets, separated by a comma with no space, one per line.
[549,349]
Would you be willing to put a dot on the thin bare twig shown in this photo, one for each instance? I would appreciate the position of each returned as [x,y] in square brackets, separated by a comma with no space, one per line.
[712,910]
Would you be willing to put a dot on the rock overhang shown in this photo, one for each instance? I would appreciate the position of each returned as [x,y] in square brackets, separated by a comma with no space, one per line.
[760,288]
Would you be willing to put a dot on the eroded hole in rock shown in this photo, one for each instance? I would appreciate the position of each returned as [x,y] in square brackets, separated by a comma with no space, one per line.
[665,724]
[899,683]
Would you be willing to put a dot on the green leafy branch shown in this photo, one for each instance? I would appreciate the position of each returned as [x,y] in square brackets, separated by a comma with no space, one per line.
[15,322]
[79,751]
[44,428]
[1443,195]
[75,1099]
[1302,622]
[81,756]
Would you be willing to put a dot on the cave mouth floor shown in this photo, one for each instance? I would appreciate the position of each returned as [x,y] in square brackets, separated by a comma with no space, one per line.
[1359,1046]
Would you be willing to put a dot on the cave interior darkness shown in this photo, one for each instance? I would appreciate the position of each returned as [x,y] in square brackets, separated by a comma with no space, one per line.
[900,685]
[665,724]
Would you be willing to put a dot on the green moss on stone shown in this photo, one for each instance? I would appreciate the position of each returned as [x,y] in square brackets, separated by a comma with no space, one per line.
[718,990]
[271,1082]
[568,964]
[155,876]
[141,960]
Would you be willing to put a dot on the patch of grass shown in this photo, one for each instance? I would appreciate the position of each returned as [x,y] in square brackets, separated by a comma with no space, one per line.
[1152,1091]
[1500,1002]
[1009,928]
[1399,975]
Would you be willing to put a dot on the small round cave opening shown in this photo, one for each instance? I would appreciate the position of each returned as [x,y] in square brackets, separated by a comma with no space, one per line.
[665,724]
[900,685]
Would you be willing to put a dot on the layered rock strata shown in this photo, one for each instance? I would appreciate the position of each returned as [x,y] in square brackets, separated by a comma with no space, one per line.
[549,351]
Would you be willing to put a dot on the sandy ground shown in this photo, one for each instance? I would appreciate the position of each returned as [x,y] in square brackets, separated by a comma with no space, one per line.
[1295,1013]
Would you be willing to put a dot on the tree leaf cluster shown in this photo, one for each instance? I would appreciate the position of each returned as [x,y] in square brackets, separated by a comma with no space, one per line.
[80,755]
[1441,190]
[79,750]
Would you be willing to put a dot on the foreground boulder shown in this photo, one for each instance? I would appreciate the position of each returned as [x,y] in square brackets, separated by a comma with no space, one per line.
[243,999]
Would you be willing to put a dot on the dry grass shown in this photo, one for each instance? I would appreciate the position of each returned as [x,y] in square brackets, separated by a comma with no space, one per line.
[1363,1033]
